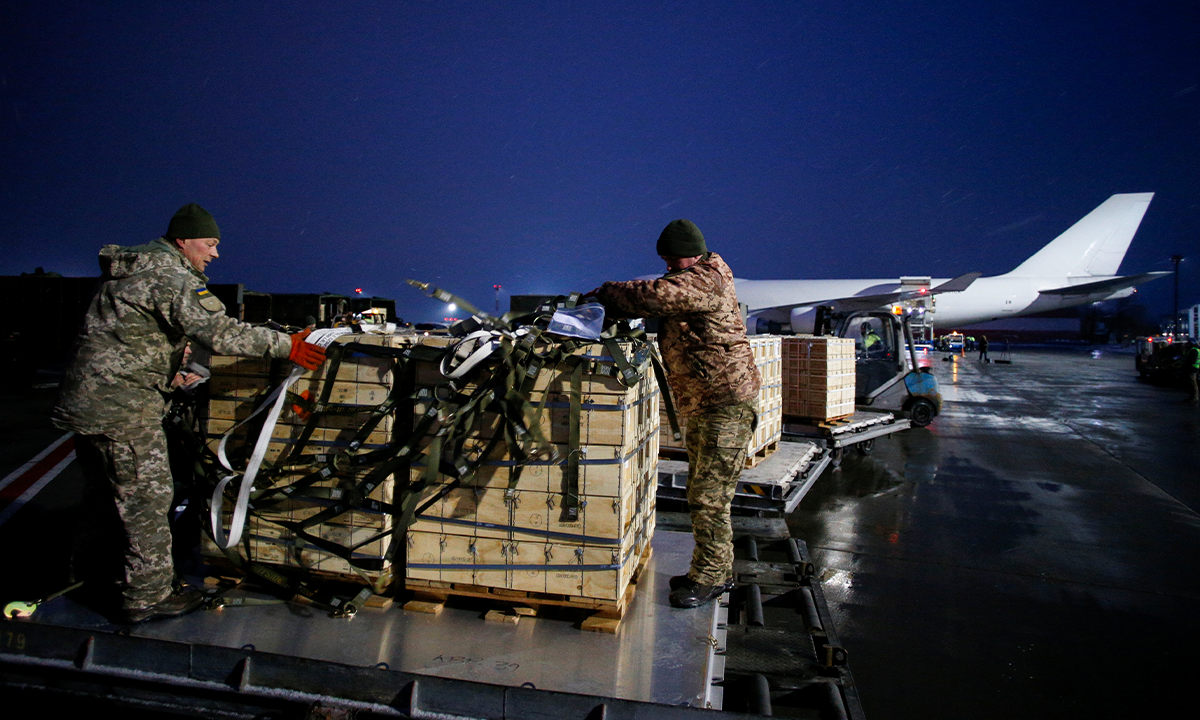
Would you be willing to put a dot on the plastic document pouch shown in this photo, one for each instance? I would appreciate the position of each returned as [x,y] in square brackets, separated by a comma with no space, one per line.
[584,321]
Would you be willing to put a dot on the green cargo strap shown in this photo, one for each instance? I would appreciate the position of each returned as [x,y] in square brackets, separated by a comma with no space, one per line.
[660,374]
[571,475]
[401,451]
[334,358]
[629,374]
[313,593]
[337,549]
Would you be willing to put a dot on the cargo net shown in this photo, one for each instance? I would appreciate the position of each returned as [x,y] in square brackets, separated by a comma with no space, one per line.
[325,470]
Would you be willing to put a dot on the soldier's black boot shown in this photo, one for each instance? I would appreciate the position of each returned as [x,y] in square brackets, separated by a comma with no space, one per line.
[179,602]
[679,581]
[691,594]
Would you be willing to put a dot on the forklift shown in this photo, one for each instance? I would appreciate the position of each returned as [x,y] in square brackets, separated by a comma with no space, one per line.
[887,374]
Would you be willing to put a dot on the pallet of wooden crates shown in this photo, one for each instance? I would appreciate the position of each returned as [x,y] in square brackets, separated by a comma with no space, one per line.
[818,377]
[506,535]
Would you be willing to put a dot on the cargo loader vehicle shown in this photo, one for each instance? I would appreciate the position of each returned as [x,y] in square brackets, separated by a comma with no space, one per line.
[888,374]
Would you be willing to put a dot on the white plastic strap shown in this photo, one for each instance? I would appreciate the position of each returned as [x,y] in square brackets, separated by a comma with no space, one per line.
[237,523]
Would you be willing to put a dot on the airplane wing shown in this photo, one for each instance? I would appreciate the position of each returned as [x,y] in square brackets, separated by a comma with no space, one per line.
[1109,285]
[869,302]
[958,284]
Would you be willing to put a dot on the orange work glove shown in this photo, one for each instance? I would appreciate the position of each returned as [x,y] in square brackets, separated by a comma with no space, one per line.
[306,354]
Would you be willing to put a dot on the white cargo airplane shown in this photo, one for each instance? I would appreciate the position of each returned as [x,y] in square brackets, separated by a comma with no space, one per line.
[1076,268]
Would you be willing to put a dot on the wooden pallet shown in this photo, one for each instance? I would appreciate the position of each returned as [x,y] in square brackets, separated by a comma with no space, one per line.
[752,458]
[828,423]
[431,596]
[762,453]
[223,567]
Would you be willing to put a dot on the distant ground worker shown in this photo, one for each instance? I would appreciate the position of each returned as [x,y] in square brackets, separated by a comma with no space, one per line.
[151,301]
[871,342]
[711,373]
[1191,362]
[983,349]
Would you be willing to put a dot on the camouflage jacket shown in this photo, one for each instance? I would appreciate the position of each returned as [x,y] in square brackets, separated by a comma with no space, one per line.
[701,335]
[150,302]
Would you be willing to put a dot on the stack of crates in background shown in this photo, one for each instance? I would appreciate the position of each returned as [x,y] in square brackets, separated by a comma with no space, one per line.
[768,358]
[237,387]
[767,351]
[509,531]
[818,377]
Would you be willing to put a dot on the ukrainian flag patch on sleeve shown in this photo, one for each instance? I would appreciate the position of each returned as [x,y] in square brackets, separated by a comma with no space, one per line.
[208,301]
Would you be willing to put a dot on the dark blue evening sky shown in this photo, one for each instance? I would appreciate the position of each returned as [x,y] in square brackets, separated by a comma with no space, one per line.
[542,145]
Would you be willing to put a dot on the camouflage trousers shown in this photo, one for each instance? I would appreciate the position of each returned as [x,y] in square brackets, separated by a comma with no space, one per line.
[716,445]
[123,548]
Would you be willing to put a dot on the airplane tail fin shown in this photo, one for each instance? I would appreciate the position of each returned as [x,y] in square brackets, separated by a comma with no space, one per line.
[1095,245]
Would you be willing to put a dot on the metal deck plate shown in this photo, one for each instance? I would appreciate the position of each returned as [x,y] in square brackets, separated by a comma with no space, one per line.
[783,465]
[660,654]
[779,469]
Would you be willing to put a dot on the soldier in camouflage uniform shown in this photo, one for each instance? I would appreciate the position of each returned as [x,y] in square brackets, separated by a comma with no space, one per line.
[711,373]
[150,302]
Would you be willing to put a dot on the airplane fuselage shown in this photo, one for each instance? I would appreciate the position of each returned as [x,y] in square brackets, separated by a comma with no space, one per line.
[988,298]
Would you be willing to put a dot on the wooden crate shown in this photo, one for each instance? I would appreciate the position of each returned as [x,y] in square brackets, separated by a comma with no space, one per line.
[618,420]
[272,545]
[583,572]
[603,469]
[519,513]
[618,465]
[509,606]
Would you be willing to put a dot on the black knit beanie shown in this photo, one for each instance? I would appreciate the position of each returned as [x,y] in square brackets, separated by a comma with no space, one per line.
[192,221]
[681,238]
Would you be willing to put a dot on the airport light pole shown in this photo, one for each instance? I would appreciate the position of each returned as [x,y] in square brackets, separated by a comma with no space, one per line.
[1176,259]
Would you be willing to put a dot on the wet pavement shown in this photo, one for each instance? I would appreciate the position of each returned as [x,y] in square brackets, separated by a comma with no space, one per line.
[1031,554]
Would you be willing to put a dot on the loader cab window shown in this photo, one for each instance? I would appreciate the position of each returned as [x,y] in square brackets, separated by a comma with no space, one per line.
[876,351]
[872,341]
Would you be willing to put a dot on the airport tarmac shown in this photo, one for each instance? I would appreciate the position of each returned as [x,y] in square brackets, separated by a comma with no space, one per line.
[1031,554]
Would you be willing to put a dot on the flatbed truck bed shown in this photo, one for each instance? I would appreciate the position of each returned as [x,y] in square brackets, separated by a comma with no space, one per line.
[768,642]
